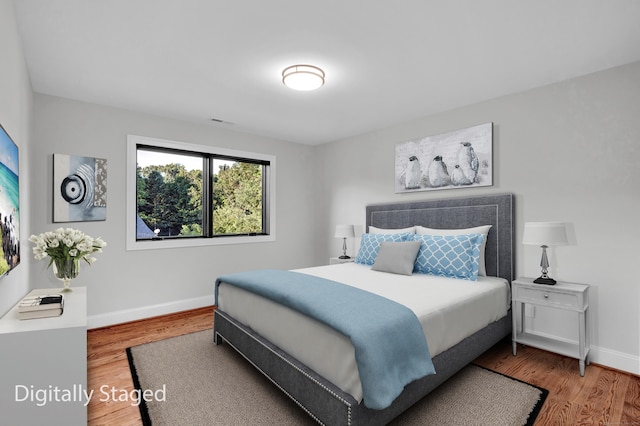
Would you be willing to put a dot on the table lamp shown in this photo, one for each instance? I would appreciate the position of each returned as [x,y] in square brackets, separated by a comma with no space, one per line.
[344,232]
[545,234]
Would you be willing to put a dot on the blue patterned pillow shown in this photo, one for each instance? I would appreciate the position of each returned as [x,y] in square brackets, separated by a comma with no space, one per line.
[455,256]
[370,246]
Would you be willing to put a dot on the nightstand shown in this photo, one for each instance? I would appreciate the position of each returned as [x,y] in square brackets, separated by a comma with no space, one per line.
[45,358]
[566,296]
[337,260]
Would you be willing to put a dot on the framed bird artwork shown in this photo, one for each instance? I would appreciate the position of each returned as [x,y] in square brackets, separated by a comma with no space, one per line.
[458,159]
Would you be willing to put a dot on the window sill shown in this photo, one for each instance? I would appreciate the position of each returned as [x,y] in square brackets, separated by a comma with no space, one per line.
[198,242]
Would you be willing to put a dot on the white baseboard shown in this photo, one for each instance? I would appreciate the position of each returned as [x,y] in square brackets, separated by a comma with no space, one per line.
[605,357]
[614,359]
[118,317]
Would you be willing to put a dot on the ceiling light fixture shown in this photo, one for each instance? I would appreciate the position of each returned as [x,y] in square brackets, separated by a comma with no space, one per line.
[303,77]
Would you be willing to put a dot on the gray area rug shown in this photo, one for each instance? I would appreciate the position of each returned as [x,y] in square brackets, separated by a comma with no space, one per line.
[190,381]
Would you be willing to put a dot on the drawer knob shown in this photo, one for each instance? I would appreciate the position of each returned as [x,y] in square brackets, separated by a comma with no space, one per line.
[546,296]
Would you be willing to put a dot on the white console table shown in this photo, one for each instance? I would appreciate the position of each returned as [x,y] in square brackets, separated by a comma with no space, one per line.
[43,364]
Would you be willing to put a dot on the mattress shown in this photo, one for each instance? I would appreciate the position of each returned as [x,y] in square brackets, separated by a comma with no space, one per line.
[449,310]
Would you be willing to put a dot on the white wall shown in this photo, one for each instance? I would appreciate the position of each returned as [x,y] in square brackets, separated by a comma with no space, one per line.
[125,285]
[569,152]
[16,104]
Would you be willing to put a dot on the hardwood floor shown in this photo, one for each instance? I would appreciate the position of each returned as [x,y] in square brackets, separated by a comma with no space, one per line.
[107,363]
[602,397]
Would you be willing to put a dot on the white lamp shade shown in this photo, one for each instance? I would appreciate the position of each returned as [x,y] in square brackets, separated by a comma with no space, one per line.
[545,233]
[345,231]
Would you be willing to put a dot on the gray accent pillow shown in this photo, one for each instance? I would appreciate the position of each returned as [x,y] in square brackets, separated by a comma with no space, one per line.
[397,257]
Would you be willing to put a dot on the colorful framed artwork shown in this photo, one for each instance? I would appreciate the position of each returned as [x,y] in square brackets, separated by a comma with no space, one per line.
[79,188]
[458,159]
[9,203]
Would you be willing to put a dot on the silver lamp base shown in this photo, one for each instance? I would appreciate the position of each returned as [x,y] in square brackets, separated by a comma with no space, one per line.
[544,263]
[544,280]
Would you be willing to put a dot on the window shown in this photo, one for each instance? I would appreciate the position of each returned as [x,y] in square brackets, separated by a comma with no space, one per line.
[182,195]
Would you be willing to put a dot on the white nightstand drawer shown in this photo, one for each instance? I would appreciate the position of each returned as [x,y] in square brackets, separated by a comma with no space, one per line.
[546,296]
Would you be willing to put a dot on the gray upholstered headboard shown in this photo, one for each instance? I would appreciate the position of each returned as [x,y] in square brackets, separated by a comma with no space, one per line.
[496,210]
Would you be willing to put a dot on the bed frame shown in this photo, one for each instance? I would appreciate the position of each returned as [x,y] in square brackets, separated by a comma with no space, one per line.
[328,404]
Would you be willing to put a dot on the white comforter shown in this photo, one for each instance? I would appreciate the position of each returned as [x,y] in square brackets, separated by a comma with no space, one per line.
[448,309]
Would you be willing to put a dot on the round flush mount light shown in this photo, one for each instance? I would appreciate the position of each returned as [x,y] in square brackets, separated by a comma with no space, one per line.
[303,77]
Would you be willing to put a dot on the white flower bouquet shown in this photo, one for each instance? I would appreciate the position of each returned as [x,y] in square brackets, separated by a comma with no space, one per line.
[65,247]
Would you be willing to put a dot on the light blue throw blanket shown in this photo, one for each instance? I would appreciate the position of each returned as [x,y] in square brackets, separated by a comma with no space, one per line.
[390,347]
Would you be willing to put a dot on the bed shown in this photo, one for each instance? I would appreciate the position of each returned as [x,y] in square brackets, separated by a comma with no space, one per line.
[262,331]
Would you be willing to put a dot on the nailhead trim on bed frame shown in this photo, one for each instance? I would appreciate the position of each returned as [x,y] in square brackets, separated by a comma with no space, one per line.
[313,379]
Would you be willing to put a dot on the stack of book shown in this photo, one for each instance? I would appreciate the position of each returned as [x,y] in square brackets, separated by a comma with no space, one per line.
[50,305]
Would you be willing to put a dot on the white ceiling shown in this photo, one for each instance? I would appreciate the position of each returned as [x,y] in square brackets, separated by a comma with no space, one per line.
[386,62]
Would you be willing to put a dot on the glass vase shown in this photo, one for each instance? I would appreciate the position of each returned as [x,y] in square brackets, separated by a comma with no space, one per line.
[65,270]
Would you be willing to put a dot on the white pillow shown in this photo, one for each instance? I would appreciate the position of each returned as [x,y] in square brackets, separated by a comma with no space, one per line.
[374,230]
[484,229]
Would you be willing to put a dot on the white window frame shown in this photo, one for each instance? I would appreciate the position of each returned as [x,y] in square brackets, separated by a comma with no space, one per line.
[131,198]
